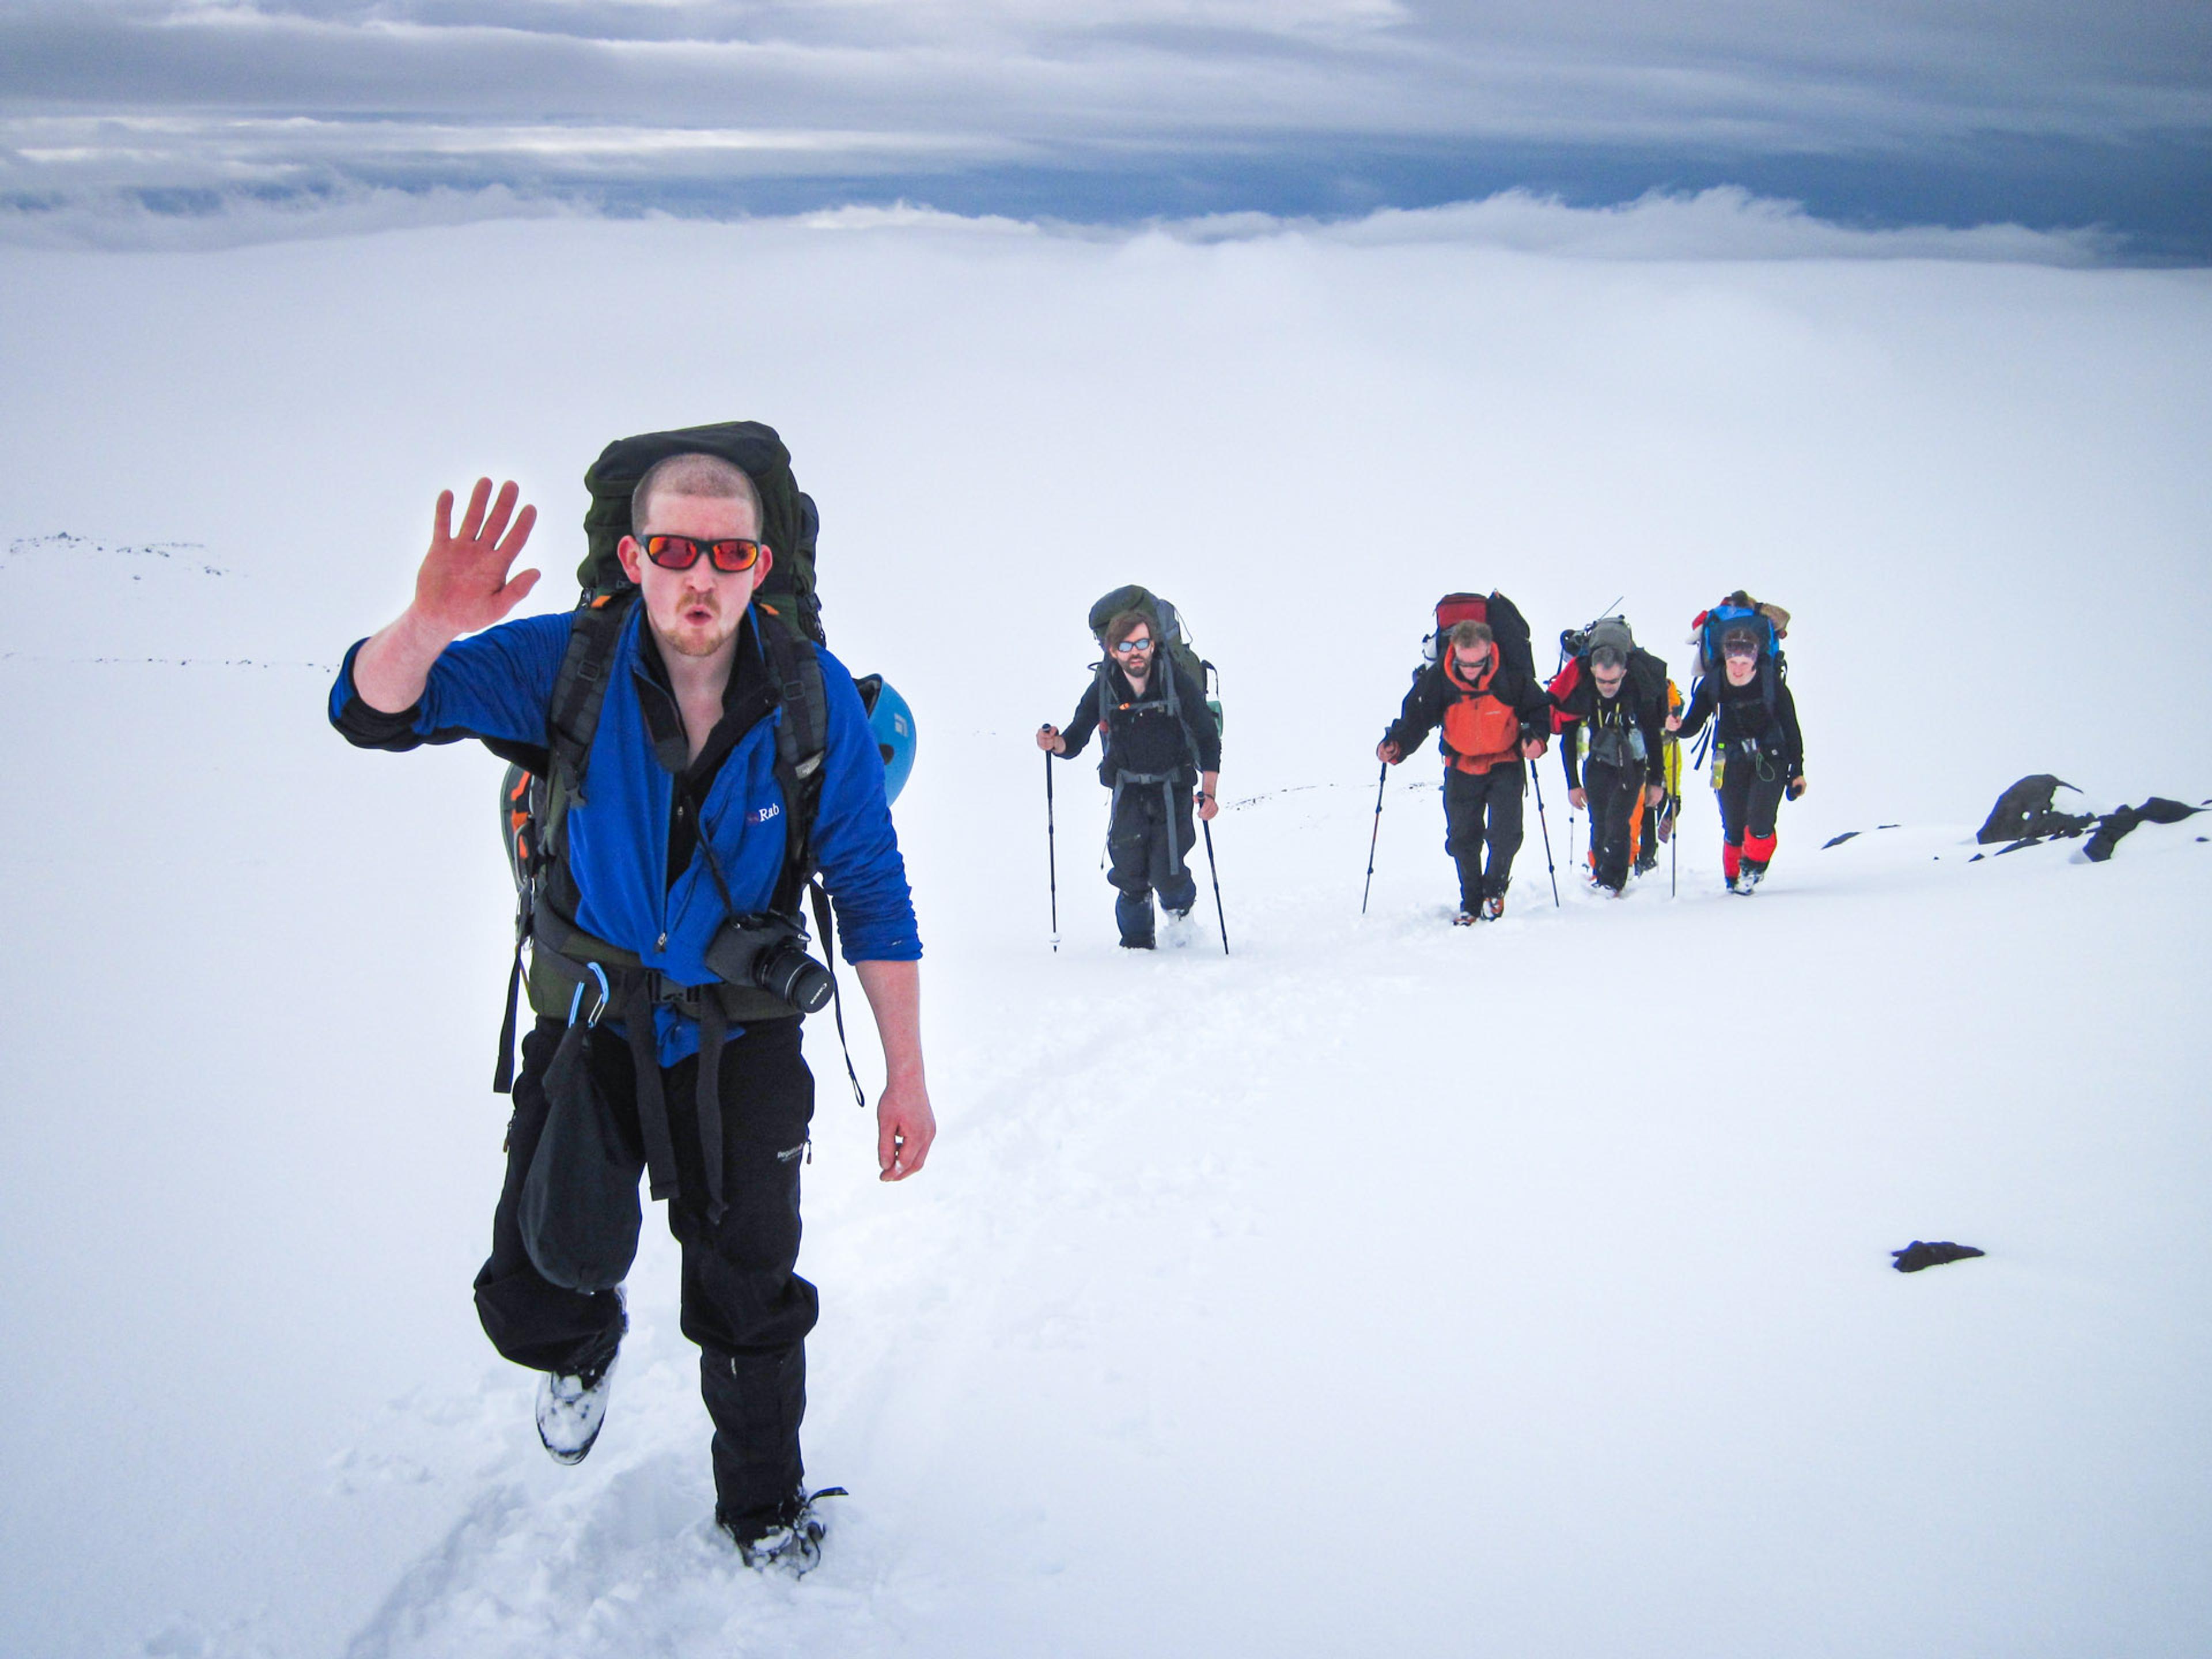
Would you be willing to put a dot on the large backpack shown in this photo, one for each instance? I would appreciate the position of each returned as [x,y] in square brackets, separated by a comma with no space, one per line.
[1647,671]
[789,523]
[1767,623]
[1508,627]
[1166,628]
[541,782]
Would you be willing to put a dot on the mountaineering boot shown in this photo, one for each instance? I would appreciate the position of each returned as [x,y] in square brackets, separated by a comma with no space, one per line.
[571,1408]
[1493,907]
[1749,875]
[788,1537]
[1466,918]
[1179,930]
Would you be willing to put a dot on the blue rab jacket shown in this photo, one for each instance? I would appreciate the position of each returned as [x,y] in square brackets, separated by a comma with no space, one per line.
[498,683]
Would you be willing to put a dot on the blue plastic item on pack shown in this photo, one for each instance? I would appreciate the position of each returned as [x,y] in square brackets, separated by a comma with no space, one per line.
[892,722]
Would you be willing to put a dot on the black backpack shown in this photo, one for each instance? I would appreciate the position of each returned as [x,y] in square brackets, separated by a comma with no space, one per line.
[789,523]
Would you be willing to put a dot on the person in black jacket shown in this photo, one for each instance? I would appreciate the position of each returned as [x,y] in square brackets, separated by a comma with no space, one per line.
[1159,738]
[1492,715]
[1758,753]
[1613,721]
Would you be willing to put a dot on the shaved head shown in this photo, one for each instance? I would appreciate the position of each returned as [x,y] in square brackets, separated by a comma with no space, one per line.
[708,477]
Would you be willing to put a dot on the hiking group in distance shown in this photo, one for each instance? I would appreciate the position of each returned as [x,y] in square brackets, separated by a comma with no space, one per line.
[1620,718]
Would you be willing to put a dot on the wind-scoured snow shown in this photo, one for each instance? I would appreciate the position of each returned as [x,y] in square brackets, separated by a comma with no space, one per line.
[1380,1286]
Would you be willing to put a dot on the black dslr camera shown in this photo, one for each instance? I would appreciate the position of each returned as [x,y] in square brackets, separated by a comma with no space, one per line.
[768,952]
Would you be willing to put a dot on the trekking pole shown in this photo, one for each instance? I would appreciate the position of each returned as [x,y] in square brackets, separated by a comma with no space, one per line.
[1537,774]
[1207,824]
[1675,850]
[1051,853]
[1372,839]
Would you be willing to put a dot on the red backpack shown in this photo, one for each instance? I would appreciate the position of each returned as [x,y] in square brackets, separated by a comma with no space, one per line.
[1507,626]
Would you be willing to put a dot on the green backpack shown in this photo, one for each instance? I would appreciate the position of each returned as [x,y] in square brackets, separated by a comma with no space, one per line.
[1167,629]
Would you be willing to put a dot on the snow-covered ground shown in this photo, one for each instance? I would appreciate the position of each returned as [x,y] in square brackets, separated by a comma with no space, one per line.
[1379,1287]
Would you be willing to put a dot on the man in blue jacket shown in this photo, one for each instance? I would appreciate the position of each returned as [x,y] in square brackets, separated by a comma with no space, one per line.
[684,822]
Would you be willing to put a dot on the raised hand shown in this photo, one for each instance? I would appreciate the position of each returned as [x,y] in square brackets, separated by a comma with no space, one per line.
[463,585]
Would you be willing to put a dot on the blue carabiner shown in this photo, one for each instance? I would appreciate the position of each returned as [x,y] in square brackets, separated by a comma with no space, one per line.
[577,997]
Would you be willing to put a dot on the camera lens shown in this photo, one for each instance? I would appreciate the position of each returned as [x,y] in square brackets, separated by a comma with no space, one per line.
[785,970]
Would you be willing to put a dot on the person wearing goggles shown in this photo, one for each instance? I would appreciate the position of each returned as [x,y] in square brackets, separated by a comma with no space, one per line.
[679,839]
[1759,752]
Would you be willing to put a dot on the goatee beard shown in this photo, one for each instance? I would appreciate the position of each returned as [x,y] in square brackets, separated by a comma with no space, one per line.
[692,643]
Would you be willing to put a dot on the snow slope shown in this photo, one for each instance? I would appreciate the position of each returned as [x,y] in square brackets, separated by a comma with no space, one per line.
[1380,1286]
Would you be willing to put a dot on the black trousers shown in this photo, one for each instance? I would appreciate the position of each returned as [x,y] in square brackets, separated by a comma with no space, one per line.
[1143,859]
[1482,811]
[1615,794]
[742,1303]
[1750,795]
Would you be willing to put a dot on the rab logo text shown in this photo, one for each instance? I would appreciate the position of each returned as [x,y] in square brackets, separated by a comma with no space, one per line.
[765,813]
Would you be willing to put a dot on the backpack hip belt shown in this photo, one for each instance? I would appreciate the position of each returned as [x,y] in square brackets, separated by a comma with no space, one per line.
[1765,758]
[633,992]
[563,956]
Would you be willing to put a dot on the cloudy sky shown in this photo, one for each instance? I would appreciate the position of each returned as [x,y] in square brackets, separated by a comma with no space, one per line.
[2050,113]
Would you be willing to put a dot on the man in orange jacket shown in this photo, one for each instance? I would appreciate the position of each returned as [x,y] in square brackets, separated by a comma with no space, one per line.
[1493,716]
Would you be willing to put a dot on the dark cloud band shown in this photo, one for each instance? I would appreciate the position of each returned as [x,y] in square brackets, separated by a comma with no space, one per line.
[1883,110]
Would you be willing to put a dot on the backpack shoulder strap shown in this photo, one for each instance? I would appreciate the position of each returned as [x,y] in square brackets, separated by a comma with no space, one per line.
[802,743]
[543,886]
[572,716]
[579,690]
